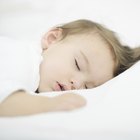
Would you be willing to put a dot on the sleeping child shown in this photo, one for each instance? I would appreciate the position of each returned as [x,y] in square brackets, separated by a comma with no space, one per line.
[77,55]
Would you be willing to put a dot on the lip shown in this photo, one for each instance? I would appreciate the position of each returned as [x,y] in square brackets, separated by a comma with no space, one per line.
[59,87]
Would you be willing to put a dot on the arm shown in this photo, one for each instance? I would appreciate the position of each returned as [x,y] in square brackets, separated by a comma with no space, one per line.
[21,103]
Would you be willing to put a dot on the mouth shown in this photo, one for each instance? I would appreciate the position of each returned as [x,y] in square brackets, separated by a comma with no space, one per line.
[59,87]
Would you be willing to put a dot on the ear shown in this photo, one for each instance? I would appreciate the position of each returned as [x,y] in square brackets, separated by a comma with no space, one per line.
[51,37]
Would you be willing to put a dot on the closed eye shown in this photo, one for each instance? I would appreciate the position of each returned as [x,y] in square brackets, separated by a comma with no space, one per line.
[77,65]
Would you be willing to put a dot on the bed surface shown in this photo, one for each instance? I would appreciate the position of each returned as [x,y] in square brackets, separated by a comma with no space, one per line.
[112,113]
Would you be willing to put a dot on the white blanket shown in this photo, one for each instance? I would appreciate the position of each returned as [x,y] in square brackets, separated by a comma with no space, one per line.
[113,109]
[112,113]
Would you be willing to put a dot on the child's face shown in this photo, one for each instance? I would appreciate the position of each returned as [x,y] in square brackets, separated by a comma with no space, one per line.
[77,62]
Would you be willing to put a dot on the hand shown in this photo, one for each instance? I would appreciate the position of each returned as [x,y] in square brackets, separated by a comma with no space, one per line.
[66,102]
[21,103]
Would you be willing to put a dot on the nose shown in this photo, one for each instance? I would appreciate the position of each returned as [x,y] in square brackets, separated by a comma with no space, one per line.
[72,85]
[76,84]
[69,86]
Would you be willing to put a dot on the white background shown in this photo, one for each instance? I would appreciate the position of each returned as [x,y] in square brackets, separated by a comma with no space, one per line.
[29,19]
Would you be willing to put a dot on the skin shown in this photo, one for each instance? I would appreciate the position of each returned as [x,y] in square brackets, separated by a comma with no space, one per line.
[64,67]
[75,62]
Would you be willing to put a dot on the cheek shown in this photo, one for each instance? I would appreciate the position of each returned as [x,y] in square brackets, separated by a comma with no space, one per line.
[57,66]
[48,69]
[52,68]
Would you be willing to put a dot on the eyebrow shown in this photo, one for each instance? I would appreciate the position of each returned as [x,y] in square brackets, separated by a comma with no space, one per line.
[85,57]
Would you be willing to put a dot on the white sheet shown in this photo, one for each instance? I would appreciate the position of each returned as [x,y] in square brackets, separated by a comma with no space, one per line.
[21,73]
[112,113]
[113,109]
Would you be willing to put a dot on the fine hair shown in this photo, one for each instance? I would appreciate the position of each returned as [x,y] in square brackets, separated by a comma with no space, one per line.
[124,56]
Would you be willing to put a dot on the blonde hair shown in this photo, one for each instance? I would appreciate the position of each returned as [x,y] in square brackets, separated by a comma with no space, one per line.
[125,56]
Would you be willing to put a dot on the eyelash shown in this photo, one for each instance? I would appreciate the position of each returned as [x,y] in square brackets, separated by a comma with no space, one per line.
[76,63]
